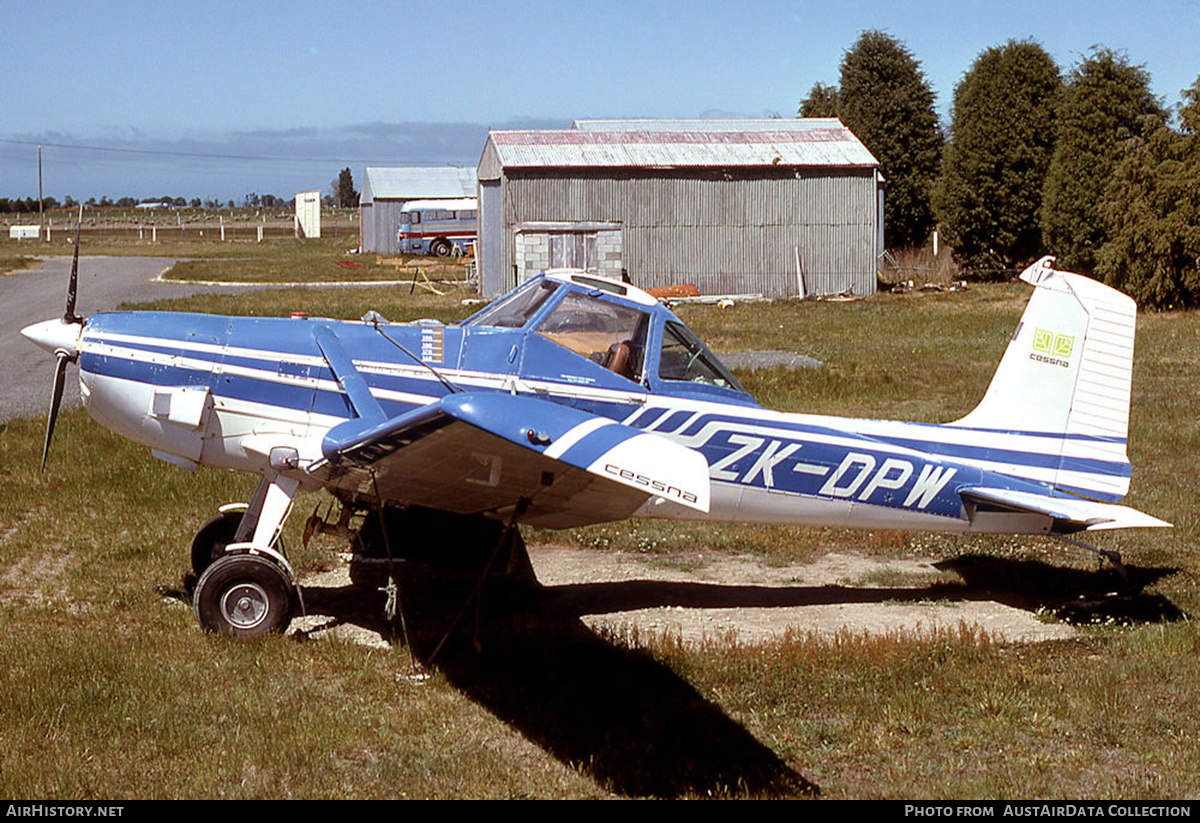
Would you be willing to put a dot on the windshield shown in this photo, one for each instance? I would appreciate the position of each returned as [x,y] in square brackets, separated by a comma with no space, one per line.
[610,334]
[685,357]
[514,311]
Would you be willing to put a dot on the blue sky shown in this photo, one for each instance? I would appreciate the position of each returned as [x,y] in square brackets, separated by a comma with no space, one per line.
[293,92]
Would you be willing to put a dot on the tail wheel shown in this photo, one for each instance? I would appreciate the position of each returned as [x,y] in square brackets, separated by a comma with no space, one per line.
[243,596]
[440,247]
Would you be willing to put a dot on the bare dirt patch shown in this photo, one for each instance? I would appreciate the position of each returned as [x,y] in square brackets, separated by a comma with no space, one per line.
[743,597]
[36,580]
[703,596]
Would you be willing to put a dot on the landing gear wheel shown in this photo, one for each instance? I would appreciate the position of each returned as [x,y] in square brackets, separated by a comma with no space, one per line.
[440,248]
[212,538]
[243,596]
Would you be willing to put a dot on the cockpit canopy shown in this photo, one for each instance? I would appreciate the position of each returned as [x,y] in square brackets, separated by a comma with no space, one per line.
[616,326]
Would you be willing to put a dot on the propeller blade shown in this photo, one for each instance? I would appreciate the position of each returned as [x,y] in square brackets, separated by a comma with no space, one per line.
[60,373]
[69,314]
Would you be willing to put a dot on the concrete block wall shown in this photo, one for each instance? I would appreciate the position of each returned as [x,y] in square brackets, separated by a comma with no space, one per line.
[533,253]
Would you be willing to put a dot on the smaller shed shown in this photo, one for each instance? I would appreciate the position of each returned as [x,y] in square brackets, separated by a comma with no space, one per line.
[386,190]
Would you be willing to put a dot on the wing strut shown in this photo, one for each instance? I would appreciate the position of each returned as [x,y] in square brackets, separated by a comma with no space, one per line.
[348,377]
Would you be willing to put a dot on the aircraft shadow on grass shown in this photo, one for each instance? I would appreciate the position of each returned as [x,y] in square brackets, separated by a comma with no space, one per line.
[611,712]
[625,719]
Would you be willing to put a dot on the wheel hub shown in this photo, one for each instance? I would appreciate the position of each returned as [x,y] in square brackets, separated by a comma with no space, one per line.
[245,605]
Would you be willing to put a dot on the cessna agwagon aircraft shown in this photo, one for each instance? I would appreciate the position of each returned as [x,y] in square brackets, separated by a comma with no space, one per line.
[577,399]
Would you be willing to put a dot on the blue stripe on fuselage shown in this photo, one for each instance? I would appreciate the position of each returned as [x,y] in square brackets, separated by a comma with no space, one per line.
[950,451]
[992,454]
[154,374]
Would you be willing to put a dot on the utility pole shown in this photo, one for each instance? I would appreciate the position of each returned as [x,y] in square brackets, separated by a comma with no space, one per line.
[41,214]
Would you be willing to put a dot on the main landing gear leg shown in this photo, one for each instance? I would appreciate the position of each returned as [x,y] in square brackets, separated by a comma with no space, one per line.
[251,590]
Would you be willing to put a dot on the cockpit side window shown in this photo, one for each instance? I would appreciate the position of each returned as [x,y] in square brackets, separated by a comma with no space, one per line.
[610,334]
[685,357]
[514,311]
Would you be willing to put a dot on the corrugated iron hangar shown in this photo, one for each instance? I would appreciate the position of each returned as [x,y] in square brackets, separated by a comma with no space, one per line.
[772,207]
[386,190]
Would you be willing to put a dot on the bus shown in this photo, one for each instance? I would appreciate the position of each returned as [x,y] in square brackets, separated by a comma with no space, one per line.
[438,227]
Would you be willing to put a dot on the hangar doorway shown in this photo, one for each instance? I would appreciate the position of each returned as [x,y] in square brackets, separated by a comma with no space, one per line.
[593,247]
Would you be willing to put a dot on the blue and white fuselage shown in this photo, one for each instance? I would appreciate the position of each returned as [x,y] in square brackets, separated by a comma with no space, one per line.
[592,400]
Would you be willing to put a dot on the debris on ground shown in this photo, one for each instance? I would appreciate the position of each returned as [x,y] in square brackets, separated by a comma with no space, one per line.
[679,290]
[908,286]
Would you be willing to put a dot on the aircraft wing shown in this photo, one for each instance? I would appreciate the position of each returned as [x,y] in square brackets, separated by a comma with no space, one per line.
[475,453]
[1076,513]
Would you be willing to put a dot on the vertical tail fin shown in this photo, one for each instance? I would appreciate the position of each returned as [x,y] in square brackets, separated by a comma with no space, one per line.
[1064,383]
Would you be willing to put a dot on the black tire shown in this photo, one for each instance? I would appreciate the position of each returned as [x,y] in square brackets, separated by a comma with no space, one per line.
[440,248]
[243,596]
[212,538]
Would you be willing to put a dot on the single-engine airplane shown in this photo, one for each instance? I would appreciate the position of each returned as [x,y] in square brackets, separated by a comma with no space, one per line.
[577,399]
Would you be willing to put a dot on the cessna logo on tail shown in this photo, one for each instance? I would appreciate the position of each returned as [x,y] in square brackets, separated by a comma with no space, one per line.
[1052,348]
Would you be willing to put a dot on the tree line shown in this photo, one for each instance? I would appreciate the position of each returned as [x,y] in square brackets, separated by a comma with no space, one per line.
[342,195]
[29,205]
[1087,165]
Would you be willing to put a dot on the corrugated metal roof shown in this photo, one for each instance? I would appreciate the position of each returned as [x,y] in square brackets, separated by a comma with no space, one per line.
[761,124]
[418,183]
[691,144]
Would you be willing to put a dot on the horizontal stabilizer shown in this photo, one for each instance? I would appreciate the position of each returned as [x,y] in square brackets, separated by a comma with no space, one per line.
[1071,511]
[475,453]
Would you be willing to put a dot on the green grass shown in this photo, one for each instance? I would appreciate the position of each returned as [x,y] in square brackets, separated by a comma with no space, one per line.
[183,233]
[109,690]
[276,260]
[393,302]
[15,262]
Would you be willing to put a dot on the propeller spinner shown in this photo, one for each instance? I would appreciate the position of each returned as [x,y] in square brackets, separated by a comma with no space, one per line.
[61,338]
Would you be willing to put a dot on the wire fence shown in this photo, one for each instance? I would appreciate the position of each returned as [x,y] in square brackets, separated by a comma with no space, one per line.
[185,225]
[211,232]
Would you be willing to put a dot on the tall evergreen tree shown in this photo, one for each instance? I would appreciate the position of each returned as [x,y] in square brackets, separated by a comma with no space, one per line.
[884,99]
[994,168]
[344,194]
[1151,213]
[1103,105]
[821,102]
